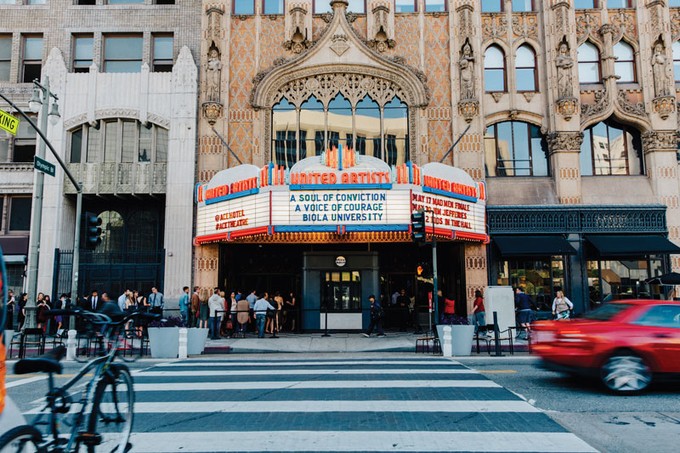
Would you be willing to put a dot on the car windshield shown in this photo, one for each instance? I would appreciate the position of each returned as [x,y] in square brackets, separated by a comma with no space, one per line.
[607,312]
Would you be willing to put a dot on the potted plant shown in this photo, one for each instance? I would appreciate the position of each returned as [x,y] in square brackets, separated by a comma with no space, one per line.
[164,337]
[196,338]
[462,333]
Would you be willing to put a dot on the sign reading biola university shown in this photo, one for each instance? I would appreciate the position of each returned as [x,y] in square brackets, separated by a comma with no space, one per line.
[343,192]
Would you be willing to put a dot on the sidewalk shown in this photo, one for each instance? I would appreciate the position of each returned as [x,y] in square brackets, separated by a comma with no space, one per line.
[336,342]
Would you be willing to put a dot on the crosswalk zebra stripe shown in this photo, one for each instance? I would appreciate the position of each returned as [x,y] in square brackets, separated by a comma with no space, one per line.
[287,372]
[273,385]
[370,441]
[250,363]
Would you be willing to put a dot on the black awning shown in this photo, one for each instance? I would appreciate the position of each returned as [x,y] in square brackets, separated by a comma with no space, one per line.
[631,244]
[543,245]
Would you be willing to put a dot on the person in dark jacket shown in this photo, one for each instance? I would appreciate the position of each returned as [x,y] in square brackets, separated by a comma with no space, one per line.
[377,314]
[523,305]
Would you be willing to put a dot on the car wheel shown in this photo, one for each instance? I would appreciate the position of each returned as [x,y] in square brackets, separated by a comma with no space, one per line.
[626,373]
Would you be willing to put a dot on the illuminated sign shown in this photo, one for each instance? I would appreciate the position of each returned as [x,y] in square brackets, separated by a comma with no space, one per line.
[339,191]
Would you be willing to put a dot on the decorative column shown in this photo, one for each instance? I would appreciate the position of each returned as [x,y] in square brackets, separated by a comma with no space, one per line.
[564,161]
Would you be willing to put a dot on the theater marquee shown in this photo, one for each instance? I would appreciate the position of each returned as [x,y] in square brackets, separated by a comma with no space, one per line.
[339,192]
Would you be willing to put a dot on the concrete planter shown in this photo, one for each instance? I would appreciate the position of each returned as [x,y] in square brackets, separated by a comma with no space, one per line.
[196,338]
[461,338]
[164,342]
[7,337]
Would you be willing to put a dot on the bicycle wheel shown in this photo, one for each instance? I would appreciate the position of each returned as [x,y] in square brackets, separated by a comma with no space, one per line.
[112,411]
[22,439]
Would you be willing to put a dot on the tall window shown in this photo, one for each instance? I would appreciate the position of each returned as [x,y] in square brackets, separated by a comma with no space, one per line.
[19,148]
[405,6]
[676,60]
[5,56]
[492,6]
[588,63]
[273,6]
[612,4]
[322,6]
[624,67]
[123,53]
[162,52]
[20,213]
[82,52]
[435,6]
[525,69]
[494,69]
[244,7]
[586,4]
[610,148]
[31,58]
[36,2]
[368,129]
[118,140]
[514,148]
[520,6]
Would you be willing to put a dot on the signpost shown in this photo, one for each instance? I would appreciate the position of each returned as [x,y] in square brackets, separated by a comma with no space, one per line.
[9,122]
[43,166]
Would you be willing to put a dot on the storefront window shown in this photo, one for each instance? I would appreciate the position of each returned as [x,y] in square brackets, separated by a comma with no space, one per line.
[623,279]
[539,276]
[341,291]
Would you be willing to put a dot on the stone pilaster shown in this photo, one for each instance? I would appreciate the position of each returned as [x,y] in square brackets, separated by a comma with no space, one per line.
[564,161]
[475,272]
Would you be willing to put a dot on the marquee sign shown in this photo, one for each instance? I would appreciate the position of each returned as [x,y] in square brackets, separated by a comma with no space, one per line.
[339,191]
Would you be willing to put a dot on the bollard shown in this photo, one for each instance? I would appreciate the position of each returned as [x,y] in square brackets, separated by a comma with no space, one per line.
[496,334]
[447,347]
[183,343]
[71,345]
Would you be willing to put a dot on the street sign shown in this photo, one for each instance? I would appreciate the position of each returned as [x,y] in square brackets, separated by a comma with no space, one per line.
[9,122]
[43,166]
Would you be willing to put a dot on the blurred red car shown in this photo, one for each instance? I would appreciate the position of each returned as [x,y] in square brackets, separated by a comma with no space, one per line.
[626,344]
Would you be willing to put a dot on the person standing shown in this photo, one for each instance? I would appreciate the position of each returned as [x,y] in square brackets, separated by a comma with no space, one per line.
[195,307]
[377,314]
[157,301]
[242,316]
[215,305]
[184,305]
[561,306]
[122,299]
[479,312]
[93,303]
[523,305]
[251,298]
[403,303]
[260,309]
[10,322]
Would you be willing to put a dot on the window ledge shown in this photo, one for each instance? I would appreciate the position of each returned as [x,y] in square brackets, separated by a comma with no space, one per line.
[16,166]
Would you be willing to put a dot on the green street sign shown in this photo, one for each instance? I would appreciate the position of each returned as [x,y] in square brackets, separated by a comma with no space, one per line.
[43,166]
[9,122]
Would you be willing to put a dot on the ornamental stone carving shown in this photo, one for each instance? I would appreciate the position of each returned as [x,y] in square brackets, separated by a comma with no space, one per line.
[660,141]
[212,111]
[467,72]
[662,80]
[468,109]
[380,25]
[567,107]
[565,64]
[298,26]
[664,106]
[466,28]
[339,45]
[624,25]
[586,23]
[215,15]
[601,102]
[631,108]
[675,24]
[494,26]
[213,74]
[525,25]
[564,141]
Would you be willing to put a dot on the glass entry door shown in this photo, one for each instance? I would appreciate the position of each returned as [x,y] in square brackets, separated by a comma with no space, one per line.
[341,292]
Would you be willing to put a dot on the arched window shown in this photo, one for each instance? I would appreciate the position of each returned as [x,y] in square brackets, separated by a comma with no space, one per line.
[371,130]
[676,60]
[525,69]
[119,140]
[514,148]
[284,141]
[113,232]
[494,69]
[588,63]
[610,148]
[624,67]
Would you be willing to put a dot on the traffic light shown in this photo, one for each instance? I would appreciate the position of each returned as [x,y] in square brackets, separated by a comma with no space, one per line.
[93,230]
[418,226]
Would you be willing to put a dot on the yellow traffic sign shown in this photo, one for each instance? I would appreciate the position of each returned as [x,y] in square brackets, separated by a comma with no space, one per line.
[9,122]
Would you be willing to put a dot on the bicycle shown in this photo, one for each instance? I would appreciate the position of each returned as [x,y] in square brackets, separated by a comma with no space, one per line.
[105,404]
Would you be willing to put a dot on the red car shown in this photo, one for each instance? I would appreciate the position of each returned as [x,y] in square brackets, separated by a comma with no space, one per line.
[626,344]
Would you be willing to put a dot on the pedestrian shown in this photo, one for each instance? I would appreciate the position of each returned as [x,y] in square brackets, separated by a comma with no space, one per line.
[561,306]
[195,307]
[479,312]
[42,310]
[94,302]
[403,303]
[184,305]
[377,314]
[260,309]
[243,316]
[215,305]
[10,322]
[21,314]
[157,301]
[251,298]
[523,306]
[203,310]
[122,299]
[235,296]
[449,310]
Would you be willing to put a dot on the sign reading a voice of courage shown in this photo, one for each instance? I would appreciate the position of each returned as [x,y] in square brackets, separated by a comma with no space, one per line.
[337,207]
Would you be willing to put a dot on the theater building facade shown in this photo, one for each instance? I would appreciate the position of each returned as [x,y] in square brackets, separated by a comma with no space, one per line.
[540,138]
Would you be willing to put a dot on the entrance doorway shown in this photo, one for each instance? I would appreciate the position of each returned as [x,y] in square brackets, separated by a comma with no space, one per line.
[341,299]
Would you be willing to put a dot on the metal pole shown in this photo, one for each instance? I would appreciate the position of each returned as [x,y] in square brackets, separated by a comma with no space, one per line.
[435,290]
[76,256]
[36,215]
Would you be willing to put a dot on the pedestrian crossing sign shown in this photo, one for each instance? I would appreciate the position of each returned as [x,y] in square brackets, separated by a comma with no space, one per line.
[9,123]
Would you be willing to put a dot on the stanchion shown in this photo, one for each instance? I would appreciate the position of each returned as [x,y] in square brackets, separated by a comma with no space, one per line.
[326,334]
[497,334]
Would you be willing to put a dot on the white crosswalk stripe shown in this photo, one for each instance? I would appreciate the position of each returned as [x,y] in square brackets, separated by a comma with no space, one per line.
[432,405]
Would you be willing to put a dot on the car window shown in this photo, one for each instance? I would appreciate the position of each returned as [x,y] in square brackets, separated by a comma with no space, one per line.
[661,316]
[607,312]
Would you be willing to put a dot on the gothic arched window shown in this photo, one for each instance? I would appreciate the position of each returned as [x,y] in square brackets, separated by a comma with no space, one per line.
[494,69]
[610,148]
[588,63]
[515,148]
[396,132]
[284,140]
[525,69]
[339,121]
[312,127]
[676,60]
[624,67]
[368,128]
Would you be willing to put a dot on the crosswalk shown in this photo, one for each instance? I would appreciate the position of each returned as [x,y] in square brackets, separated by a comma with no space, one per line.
[368,405]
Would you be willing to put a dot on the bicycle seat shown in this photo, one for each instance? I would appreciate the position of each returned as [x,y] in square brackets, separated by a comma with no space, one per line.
[46,363]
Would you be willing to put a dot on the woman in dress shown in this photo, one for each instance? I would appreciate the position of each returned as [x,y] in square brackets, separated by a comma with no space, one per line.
[203,310]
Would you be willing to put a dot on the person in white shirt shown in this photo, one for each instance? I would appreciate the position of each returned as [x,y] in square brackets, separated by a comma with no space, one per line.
[561,306]
[260,308]
[215,305]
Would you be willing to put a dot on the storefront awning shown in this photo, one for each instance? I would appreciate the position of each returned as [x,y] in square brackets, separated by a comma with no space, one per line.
[543,245]
[631,244]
